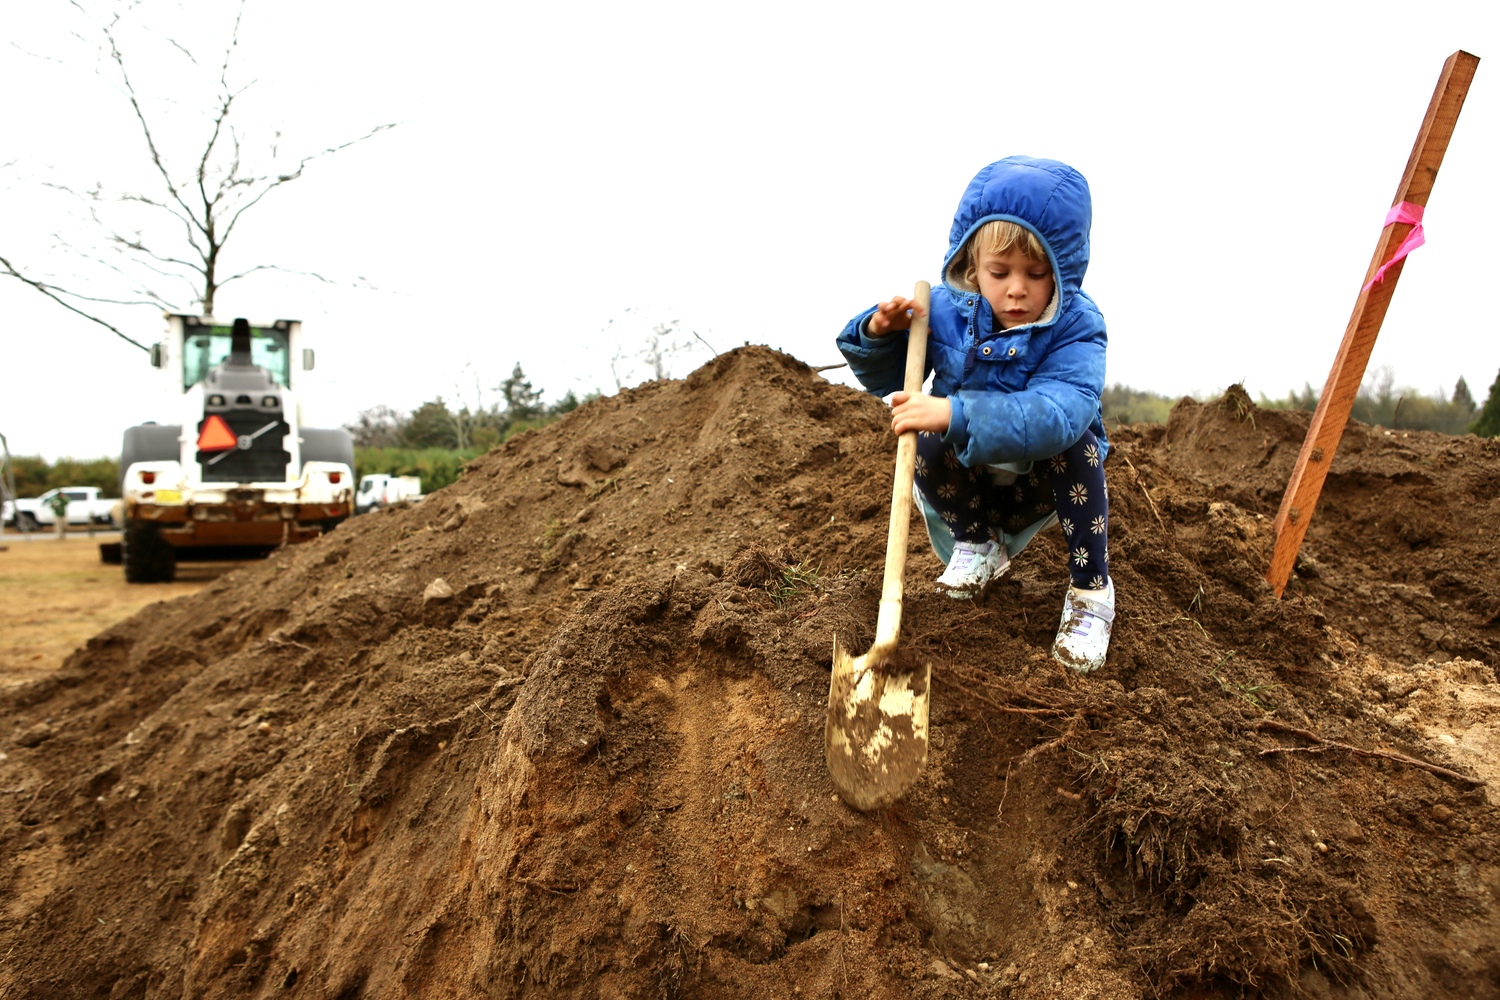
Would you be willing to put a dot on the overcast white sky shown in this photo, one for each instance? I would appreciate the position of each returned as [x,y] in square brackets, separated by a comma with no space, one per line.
[565,176]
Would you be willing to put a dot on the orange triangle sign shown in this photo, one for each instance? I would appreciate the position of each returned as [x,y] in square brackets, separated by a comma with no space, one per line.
[215,435]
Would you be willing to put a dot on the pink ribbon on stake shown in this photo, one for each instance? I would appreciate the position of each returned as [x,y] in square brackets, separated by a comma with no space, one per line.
[1403,211]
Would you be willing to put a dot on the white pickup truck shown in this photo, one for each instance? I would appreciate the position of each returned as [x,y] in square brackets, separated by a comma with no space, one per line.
[86,505]
[378,490]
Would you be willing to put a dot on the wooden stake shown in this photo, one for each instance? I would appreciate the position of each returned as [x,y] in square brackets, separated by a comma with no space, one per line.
[1348,372]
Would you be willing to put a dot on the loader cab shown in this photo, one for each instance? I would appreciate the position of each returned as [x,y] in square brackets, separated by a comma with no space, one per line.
[207,346]
[195,344]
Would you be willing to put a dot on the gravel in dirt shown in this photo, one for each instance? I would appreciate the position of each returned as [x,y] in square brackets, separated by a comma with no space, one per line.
[557,731]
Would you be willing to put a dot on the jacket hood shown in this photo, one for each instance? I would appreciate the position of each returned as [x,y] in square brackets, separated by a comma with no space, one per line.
[1047,197]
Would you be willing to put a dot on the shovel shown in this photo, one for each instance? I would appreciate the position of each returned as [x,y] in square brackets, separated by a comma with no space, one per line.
[875,736]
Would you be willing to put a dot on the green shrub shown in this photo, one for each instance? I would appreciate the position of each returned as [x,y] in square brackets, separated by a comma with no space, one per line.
[436,467]
[1125,405]
[34,475]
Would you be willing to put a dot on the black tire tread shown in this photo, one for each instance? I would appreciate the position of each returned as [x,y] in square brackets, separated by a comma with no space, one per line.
[148,558]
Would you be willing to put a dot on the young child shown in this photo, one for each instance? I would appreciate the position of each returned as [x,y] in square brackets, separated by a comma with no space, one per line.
[1012,437]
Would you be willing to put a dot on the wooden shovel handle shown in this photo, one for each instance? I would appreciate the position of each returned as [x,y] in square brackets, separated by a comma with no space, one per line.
[888,625]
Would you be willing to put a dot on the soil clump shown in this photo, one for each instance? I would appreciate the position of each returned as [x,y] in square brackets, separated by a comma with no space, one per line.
[557,731]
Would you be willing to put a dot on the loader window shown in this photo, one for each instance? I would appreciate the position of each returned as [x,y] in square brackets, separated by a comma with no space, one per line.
[206,346]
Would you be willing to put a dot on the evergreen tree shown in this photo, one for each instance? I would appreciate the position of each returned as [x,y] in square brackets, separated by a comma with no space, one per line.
[1463,399]
[1488,424]
[567,404]
[522,402]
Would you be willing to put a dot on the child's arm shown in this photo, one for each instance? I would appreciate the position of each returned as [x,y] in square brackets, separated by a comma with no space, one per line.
[878,359]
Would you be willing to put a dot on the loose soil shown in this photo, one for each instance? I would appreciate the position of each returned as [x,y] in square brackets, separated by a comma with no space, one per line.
[557,731]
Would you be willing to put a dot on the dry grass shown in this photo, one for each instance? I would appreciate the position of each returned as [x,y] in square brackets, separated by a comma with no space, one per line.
[55,594]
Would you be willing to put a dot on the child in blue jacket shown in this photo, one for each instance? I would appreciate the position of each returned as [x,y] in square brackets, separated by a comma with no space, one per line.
[1012,437]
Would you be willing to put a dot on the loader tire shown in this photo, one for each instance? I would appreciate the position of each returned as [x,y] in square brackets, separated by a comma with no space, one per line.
[328,445]
[148,557]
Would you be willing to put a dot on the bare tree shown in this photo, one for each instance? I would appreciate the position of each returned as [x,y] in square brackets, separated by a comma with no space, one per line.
[659,349]
[666,342]
[379,427]
[465,418]
[197,195]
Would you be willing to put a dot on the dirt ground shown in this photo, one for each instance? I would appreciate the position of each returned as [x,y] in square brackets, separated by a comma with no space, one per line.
[58,594]
[557,732]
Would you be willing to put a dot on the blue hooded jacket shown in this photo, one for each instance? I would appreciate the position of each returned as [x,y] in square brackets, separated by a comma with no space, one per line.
[1019,395]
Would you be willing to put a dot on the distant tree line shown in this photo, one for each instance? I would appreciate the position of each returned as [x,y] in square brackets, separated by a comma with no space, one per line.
[435,442]
[1122,404]
[437,467]
[34,475]
[461,427]
[1380,402]
[437,439]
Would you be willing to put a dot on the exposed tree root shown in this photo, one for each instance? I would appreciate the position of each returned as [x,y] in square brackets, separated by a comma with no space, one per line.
[1321,745]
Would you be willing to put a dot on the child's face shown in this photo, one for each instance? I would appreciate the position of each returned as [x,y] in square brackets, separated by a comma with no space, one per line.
[1017,288]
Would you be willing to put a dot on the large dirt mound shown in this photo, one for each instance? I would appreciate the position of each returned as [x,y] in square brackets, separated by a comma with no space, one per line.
[557,731]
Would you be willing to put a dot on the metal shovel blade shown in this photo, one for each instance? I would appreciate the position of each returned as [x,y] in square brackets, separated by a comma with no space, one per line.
[875,735]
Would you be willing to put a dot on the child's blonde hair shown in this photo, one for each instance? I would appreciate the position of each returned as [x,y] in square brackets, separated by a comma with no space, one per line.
[997,236]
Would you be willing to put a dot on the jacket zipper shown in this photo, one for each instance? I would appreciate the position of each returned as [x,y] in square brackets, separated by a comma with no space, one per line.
[972,357]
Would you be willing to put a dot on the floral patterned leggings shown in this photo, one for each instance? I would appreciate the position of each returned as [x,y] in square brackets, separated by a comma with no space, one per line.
[976,507]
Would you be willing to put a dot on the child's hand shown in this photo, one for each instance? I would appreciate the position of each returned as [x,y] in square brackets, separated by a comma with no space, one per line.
[917,411]
[893,315]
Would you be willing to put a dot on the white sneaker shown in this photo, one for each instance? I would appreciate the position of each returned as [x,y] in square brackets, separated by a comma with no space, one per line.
[972,568]
[1083,637]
